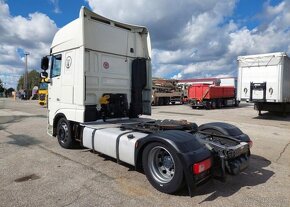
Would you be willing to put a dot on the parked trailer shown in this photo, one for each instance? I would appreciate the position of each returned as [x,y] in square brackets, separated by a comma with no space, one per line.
[99,85]
[165,98]
[165,92]
[265,80]
[211,96]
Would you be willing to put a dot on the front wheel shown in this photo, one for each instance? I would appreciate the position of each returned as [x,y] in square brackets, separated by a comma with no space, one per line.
[162,168]
[64,134]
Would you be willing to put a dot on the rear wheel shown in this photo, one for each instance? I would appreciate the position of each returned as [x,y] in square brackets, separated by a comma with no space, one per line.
[64,134]
[213,104]
[162,167]
[218,104]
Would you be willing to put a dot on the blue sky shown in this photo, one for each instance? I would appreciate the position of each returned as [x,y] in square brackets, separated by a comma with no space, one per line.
[190,38]
[61,11]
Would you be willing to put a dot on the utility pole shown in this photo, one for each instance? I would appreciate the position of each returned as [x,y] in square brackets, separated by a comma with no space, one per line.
[26,73]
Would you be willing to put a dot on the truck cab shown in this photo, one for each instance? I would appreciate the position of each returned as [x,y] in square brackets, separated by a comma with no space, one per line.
[93,64]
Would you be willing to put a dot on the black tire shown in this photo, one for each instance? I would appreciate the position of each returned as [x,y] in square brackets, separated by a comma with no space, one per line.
[207,105]
[63,134]
[167,101]
[160,102]
[213,104]
[167,176]
[218,104]
[237,103]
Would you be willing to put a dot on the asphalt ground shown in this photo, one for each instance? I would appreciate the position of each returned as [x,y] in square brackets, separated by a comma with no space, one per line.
[36,171]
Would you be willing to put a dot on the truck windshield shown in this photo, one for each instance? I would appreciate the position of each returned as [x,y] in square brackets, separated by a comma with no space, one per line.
[43,86]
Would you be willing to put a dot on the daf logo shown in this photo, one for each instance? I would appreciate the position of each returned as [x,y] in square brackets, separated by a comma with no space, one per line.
[68,62]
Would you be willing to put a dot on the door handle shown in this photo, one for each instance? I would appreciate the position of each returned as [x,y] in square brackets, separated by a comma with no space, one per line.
[57,99]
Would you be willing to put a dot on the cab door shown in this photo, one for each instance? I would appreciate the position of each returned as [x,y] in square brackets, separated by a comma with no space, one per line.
[54,87]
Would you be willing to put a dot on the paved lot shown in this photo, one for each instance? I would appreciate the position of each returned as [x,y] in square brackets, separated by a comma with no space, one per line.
[35,171]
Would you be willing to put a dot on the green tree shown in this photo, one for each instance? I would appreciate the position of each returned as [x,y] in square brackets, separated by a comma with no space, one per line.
[1,86]
[33,80]
[10,90]
[20,84]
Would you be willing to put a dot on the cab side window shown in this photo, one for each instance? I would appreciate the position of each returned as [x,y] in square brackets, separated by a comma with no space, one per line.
[56,66]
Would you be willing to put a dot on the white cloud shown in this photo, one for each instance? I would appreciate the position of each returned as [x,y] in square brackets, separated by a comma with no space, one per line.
[177,76]
[32,34]
[56,6]
[4,9]
[194,38]
[190,38]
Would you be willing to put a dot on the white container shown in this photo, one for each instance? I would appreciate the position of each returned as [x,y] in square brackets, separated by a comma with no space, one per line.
[269,75]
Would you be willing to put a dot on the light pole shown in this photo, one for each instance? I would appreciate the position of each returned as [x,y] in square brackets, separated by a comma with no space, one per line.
[26,72]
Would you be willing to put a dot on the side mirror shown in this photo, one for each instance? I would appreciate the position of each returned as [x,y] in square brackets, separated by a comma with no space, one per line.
[43,75]
[44,63]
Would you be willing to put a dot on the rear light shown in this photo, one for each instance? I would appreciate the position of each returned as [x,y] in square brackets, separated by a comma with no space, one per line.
[201,166]
[250,143]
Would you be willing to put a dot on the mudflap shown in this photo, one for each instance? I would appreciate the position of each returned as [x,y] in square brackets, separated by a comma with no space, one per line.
[238,164]
[219,168]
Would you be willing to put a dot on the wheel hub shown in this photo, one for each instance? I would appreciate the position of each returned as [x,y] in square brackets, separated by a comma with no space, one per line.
[167,162]
[63,132]
[161,164]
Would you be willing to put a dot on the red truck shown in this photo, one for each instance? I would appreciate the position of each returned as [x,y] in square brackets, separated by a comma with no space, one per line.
[211,96]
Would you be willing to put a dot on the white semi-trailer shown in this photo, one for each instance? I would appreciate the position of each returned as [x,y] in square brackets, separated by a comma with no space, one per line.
[100,83]
[265,80]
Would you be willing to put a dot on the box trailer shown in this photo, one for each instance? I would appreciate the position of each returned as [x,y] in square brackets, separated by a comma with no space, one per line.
[100,82]
[265,80]
[211,96]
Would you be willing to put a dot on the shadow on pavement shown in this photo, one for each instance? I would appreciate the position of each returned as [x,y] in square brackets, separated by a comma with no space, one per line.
[15,119]
[274,116]
[23,140]
[254,175]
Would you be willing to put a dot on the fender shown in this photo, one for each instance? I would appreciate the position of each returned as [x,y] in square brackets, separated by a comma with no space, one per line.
[225,129]
[55,120]
[188,148]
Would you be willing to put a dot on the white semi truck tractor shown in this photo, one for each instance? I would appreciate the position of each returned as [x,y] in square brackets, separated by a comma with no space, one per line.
[100,84]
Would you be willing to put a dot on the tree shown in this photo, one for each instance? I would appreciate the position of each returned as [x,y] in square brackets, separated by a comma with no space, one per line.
[20,84]
[33,80]
[1,86]
[10,90]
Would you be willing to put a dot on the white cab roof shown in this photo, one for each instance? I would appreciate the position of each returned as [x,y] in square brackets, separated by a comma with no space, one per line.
[72,34]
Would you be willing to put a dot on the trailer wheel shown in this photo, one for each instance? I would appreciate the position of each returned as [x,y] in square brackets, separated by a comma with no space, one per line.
[218,103]
[159,102]
[63,134]
[213,104]
[162,167]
